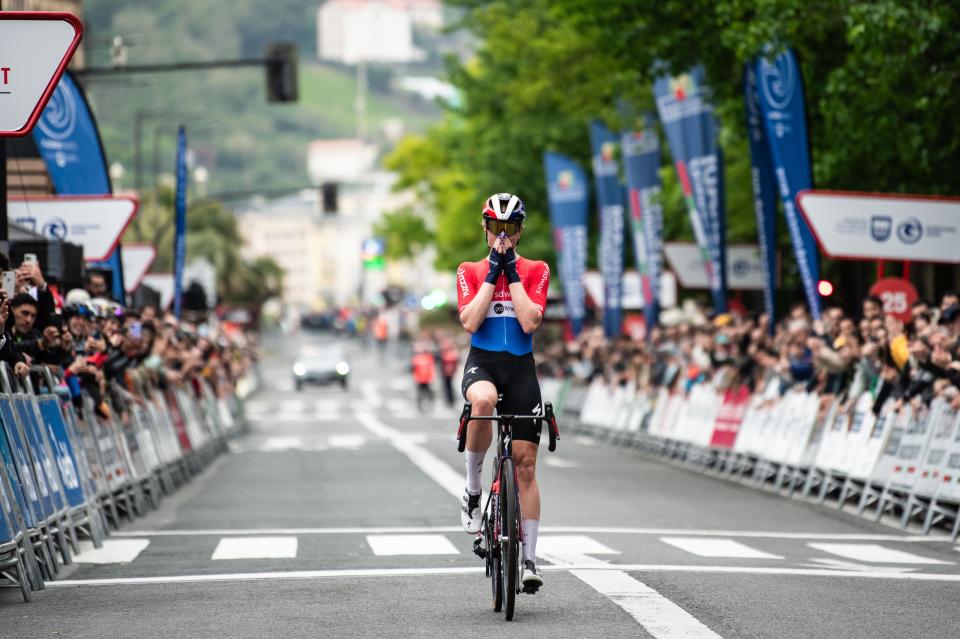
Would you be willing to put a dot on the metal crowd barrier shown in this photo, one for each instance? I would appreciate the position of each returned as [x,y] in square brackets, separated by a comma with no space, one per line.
[69,474]
[900,462]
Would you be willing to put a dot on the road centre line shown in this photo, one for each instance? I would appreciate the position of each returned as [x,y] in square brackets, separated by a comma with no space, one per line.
[545,529]
[464,570]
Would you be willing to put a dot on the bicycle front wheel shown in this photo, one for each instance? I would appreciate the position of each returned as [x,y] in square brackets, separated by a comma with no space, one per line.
[509,535]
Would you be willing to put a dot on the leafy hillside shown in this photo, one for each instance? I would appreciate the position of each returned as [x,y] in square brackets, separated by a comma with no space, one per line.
[245,142]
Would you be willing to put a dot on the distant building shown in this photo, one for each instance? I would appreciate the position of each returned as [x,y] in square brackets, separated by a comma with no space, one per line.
[352,31]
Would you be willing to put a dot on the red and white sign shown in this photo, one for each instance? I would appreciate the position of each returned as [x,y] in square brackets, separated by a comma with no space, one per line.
[730,417]
[137,260]
[879,226]
[163,284]
[95,222]
[897,295]
[744,268]
[35,49]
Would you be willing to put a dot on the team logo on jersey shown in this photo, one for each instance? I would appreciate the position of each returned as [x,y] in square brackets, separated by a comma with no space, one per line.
[543,280]
[536,410]
[472,370]
[498,308]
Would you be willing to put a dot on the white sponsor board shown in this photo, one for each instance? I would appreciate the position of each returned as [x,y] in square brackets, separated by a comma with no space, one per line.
[631,296]
[137,260]
[35,49]
[94,222]
[744,266]
[163,284]
[875,226]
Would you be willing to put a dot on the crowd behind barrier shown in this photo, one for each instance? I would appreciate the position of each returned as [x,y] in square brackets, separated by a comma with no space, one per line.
[866,414]
[104,410]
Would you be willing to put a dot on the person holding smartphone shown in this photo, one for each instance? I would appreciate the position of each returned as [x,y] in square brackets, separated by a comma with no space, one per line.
[30,280]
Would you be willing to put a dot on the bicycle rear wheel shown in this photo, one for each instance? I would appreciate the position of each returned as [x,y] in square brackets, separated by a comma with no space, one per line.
[493,555]
[509,535]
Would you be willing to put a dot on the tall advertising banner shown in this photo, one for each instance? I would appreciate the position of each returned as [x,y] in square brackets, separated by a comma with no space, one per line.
[568,195]
[764,192]
[686,112]
[780,91]
[610,203]
[641,160]
[69,143]
[180,214]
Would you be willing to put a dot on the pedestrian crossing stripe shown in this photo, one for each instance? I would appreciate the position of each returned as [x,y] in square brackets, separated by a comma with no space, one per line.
[875,553]
[256,548]
[717,547]
[393,545]
[113,551]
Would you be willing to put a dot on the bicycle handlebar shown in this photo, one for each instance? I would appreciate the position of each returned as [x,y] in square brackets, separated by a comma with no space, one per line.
[466,418]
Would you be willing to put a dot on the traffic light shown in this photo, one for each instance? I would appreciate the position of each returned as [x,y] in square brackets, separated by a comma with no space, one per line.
[328,192]
[281,63]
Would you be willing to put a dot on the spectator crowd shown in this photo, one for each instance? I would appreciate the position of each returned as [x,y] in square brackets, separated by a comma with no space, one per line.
[837,356]
[90,341]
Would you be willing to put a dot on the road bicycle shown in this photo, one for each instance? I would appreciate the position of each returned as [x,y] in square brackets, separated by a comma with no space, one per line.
[501,532]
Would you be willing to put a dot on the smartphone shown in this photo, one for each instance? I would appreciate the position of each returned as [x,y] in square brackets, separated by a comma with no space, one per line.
[29,257]
[9,283]
[136,330]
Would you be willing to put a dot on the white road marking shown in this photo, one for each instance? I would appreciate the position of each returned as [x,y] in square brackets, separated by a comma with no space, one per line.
[371,393]
[840,564]
[255,406]
[347,441]
[710,547]
[281,442]
[292,406]
[327,406]
[389,545]
[399,384]
[571,545]
[465,570]
[559,462]
[659,616]
[256,548]
[398,404]
[114,551]
[596,530]
[876,553]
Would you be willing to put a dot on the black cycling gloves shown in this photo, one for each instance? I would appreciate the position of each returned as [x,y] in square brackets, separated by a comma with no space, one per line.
[506,263]
[510,266]
[496,267]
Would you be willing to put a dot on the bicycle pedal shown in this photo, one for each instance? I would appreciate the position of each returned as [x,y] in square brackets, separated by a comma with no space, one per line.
[531,589]
[478,549]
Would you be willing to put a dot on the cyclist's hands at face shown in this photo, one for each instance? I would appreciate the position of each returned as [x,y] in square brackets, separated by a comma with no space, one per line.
[502,243]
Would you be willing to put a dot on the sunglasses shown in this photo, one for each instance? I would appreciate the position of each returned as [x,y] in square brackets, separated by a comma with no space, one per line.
[499,226]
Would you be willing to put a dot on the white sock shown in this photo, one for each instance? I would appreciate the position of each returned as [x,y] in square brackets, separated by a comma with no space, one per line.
[530,527]
[474,466]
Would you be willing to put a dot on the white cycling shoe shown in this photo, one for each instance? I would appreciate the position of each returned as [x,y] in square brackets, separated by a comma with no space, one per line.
[531,577]
[470,513]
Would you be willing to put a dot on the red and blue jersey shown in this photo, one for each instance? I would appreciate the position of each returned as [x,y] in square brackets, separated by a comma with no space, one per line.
[501,331]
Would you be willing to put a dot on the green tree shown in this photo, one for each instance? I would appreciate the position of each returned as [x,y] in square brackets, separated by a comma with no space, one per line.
[880,79]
